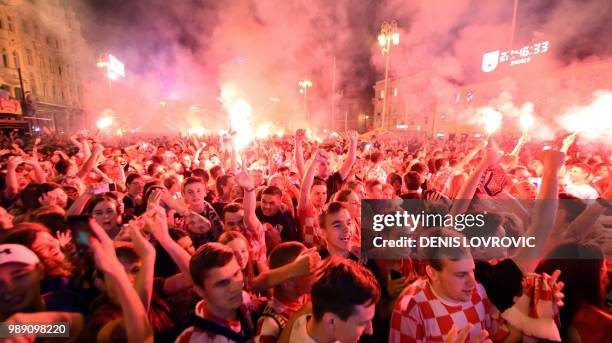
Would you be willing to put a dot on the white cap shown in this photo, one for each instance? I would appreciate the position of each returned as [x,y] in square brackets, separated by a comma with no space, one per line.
[16,253]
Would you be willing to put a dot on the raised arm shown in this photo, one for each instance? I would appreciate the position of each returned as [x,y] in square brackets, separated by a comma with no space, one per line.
[299,151]
[469,156]
[568,141]
[304,199]
[544,213]
[519,145]
[41,177]
[584,224]
[134,323]
[78,205]
[158,226]
[352,156]
[304,265]
[12,185]
[90,163]
[146,253]
[244,180]
[462,202]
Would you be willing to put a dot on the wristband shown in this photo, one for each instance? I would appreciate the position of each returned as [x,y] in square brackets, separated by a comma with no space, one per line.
[248,190]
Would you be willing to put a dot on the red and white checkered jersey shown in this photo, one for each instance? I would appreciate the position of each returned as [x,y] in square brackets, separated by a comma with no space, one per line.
[309,225]
[257,243]
[421,316]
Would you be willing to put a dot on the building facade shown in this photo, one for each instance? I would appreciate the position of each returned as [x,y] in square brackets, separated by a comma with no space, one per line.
[42,49]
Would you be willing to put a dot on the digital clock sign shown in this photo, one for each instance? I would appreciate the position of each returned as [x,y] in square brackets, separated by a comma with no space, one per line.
[492,59]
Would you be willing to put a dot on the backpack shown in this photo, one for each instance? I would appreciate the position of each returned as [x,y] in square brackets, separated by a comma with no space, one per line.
[280,320]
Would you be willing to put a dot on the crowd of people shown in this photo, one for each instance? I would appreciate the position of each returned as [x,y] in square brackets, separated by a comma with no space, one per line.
[187,239]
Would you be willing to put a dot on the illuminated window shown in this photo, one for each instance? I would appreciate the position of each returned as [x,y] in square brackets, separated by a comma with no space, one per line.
[29,59]
[15,59]
[5,59]
[395,91]
[33,83]
[382,94]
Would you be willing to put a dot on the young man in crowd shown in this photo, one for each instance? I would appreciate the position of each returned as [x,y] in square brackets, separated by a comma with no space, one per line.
[376,172]
[412,182]
[577,183]
[133,199]
[374,190]
[280,225]
[194,192]
[224,313]
[224,186]
[339,314]
[338,227]
[449,298]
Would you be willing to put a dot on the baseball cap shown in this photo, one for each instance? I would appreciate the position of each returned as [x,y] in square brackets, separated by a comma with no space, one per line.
[16,253]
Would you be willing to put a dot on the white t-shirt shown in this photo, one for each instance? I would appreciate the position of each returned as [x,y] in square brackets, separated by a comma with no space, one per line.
[299,334]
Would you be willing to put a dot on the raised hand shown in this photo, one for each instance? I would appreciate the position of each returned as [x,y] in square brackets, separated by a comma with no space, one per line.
[13,162]
[245,180]
[141,245]
[300,135]
[103,250]
[154,198]
[352,134]
[157,224]
[306,263]
[553,159]
[557,287]
[64,238]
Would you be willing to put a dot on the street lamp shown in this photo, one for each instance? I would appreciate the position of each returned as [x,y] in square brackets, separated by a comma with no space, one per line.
[304,85]
[388,35]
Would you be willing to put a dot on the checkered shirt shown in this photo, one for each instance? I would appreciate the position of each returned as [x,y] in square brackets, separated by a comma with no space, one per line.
[420,316]
[309,227]
[257,243]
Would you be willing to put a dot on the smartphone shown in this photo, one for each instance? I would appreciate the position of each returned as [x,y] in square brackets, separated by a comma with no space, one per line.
[394,274]
[81,232]
[101,188]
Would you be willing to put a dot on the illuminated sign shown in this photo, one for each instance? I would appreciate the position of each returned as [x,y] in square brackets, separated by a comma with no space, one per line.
[492,59]
[116,69]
